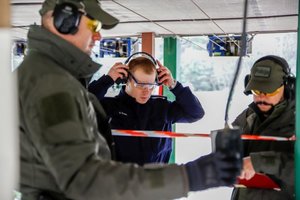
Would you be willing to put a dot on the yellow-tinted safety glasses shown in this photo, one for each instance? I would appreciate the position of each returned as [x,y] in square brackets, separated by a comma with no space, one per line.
[257,92]
[94,25]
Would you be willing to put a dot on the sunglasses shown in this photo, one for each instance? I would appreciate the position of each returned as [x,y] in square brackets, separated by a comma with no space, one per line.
[94,25]
[258,93]
[149,86]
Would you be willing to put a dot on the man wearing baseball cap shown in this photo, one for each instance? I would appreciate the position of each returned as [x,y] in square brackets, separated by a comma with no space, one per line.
[66,143]
[272,113]
[90,7]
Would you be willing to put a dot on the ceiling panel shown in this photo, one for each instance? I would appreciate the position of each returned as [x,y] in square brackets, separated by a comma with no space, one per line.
[26,1]
[178,17]
[25,15]
[125,30]
[263,25]
[256,8]
[120,12]
[160,9]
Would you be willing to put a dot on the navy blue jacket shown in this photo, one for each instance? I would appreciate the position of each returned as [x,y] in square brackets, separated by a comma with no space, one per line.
[157,114]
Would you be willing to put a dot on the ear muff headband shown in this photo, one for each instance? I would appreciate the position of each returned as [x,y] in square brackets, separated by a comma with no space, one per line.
[66,18]
[141,53]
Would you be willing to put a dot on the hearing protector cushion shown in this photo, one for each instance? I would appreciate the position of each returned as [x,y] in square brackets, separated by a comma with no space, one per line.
[66,18]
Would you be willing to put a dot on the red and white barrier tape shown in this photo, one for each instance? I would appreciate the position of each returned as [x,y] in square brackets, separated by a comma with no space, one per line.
[167,134]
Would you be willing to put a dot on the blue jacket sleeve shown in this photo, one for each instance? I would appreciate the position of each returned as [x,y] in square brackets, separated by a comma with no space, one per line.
[100,86]
[186,108]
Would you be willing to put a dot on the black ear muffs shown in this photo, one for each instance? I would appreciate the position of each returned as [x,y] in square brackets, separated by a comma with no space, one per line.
[246,81]
[290,87]
[134,55]
[289,80]
[66,18]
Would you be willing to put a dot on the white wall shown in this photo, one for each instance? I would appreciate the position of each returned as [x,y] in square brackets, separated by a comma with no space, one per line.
[9,146]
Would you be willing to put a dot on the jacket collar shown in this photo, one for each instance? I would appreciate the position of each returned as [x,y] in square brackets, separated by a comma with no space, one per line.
[78,63]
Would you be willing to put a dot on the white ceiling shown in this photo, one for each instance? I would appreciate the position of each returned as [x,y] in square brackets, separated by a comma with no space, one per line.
[178,17]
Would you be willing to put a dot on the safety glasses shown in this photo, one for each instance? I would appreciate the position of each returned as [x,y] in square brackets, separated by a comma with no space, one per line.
[149,86]
[94,25]
[258,93]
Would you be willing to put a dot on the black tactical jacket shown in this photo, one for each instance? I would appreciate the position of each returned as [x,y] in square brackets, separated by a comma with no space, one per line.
[274,158]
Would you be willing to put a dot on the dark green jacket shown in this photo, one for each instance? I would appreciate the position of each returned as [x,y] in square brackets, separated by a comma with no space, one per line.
[62,151]
[274,158]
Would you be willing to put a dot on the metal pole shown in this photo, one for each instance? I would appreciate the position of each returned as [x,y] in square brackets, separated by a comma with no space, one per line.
[297,144]
[9,146]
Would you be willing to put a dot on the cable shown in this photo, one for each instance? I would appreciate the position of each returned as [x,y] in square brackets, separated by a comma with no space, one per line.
[242,53]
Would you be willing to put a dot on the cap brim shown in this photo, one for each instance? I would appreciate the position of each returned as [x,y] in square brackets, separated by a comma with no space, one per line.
[263,86]
[95,11]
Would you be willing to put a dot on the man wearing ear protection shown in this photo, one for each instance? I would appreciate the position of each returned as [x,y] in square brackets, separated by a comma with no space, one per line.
[136,109]
[272,113]
[65,139]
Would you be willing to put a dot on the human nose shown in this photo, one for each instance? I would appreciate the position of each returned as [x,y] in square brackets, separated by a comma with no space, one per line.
[262,95]
[96,36]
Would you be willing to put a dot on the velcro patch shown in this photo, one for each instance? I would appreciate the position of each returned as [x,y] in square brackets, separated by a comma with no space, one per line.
[58,108]
[262,71]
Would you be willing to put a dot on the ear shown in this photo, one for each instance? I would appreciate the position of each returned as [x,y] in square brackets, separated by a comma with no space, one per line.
[127,84]
[128,88]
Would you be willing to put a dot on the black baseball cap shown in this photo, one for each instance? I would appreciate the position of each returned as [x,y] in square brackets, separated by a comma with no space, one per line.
[266,76]
[91,7]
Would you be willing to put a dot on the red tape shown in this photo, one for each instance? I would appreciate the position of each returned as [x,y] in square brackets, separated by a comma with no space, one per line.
[168,134]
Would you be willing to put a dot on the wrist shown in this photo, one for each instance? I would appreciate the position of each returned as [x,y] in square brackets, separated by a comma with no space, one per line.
[173,85]
[195,176]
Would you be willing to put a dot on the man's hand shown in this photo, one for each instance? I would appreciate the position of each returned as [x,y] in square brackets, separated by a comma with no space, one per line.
[164,75]
[118,70]
[248,171]
[213,170]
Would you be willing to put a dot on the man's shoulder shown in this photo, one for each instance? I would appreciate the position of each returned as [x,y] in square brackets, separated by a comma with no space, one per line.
[37,62]
[242,117]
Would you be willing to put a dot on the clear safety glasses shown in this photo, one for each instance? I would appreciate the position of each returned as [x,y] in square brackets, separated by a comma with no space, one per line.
[149,86]
[257,92]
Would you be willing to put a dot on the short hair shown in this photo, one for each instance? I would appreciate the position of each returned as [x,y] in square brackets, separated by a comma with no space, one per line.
[142,63]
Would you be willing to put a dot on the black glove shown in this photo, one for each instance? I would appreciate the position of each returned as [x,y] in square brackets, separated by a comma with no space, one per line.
[213,170]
